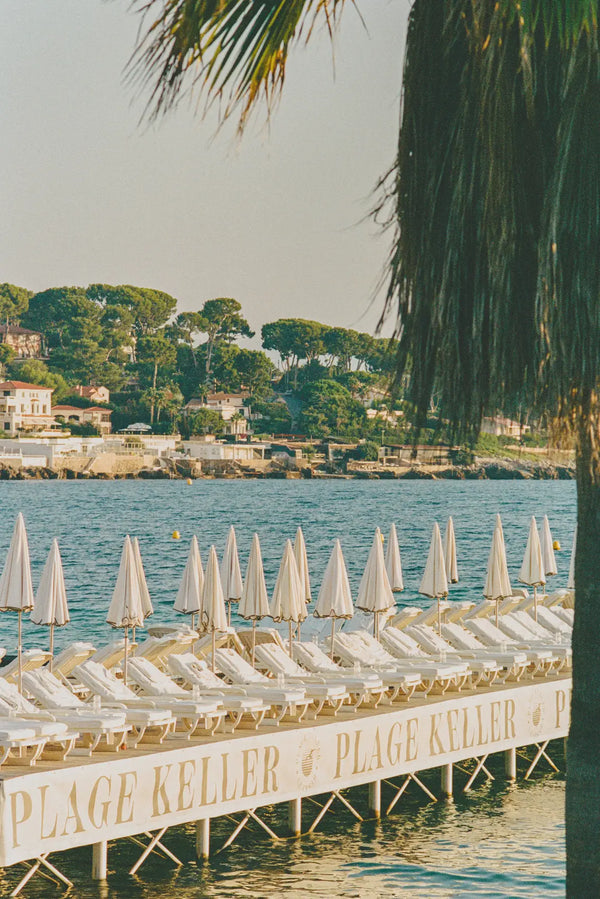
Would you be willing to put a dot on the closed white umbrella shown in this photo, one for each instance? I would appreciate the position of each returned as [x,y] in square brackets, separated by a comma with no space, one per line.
[497,582]
[434,582]
[302,564]
[287,603]
[571,577]
[16,589]
[375,593]
[231,576]
[532,569]
[393,562]
[189,596]
[214,615]
[548,558]
[450,553]
[254,603]
[125,609]
[335,597]
[50,607]
[147,608]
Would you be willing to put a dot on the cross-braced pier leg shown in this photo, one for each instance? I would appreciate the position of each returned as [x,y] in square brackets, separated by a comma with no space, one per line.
[249,814]
[324,809]
[41,861]
[401,789]
[479,769]
[541,753]
[155,845]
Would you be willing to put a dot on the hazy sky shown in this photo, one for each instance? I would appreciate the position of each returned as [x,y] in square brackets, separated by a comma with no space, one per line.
[276,220]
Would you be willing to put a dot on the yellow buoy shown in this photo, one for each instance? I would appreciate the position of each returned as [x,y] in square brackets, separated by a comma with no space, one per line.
[556,545]
[188,482]
[176,535]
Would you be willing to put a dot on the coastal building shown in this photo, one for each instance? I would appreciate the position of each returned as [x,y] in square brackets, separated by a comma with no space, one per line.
[210,450]
[24,407]
[226,404]
[94,393]
[26,344]
[97,416]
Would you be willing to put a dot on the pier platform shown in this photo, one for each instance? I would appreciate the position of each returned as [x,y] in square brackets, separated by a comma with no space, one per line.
[91,800]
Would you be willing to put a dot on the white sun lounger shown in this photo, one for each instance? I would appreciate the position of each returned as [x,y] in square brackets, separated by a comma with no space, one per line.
[150,723]
[102,729]
[158,649]
[191,715]
[60,735]
[567,615]
[156,683]
[520,626]
[111,654]
[30,660]
[513,662]
[457,610]
[70,657]
[563,598]
[421,642]
[430,614]
[405,616]
[541,661]
[483,609]
[400,678]
[552,622]
[20,743]
[286,702]
[326,696]
[365,687]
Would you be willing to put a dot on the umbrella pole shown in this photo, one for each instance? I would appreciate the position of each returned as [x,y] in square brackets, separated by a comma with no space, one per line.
[298,637]
[376,625]
[290,640]
[332,636]
[497,606]
[439,617]
[20,664]
[214,649]
[253,639]
[51,647]
[228,613]
[535,602]
[125,659]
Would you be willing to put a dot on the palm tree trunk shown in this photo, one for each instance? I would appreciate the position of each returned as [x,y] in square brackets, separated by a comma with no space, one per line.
[583,749]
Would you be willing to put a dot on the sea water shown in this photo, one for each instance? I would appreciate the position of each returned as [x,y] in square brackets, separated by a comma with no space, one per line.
[498,841]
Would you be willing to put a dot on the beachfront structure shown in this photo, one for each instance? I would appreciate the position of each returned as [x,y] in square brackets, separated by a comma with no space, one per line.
[97,416]
[211,451]
[226,404]
[94,393]
[24,407]
[26,344]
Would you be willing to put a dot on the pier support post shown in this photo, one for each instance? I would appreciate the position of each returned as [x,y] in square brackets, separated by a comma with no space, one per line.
[375,798]
[99,860]
[295,817]
[203,838]
[447,778]
[510,764]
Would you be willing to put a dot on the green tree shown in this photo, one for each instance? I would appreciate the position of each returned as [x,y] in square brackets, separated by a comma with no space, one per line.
[205,421]
[14,302]
[295,339]
[328,409]
[222,322]
[155,354]
[150,309]
[33,371]
[493,273]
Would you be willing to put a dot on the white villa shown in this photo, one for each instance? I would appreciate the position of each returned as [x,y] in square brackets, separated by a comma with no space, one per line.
[24,407]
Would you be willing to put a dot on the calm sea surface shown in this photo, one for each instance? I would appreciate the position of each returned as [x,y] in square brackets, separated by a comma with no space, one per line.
[499,841]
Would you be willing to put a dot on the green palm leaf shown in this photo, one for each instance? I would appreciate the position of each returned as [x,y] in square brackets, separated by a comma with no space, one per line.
[234,51]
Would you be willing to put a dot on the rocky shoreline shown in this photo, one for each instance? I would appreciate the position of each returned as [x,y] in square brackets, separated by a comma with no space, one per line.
[493,469]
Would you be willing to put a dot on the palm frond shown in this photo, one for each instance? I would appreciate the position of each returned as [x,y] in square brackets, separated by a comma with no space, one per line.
[234,51]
